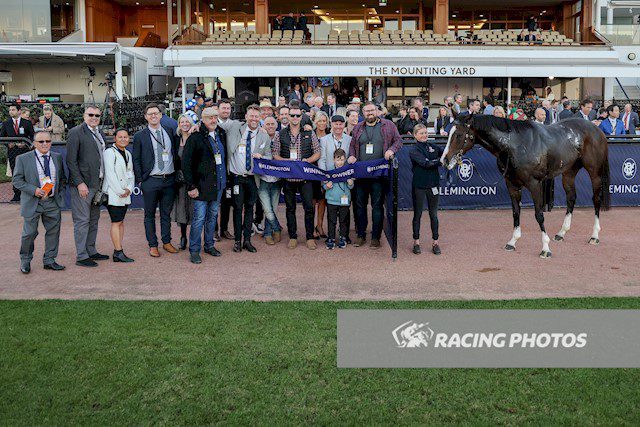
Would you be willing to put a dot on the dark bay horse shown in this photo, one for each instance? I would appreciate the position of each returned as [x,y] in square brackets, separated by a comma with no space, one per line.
[529,153]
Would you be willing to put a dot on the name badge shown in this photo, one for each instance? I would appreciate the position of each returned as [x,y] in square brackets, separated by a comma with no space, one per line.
[434,190]
[344,200]
[21,131]
[369,149]
[236,189]
[293,154]
[218,159]
[228,193]
[242,149]
[45,180]
[165,157]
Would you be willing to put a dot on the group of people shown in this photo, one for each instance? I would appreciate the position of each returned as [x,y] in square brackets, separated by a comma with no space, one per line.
[189,173]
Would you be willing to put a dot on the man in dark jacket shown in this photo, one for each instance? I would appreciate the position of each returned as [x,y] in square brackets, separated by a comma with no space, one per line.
[566,110]
[205,175]
[17,127]
[289,22]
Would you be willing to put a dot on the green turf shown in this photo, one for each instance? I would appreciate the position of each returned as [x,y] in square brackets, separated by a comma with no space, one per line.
[3,172]
[105,362]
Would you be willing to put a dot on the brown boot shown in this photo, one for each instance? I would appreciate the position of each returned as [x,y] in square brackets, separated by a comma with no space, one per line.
[375,244]
[293,243]
[170,248]
[311,244]
[277,236]
[269,240]
[154,252]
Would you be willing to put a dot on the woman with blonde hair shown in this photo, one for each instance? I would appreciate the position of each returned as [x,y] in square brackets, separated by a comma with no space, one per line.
[499,112]
[321,124]
[183,206]
[52,123]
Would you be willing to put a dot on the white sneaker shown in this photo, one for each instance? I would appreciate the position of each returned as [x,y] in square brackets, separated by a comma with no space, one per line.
[257,228]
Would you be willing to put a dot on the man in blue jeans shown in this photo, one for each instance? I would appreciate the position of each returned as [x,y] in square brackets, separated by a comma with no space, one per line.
[205,176]
[269,188]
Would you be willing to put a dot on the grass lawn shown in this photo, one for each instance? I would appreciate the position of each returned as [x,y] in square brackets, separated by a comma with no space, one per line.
[109,362]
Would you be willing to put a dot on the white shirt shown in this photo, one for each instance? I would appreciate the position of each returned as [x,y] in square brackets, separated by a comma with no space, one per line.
[40,166]
[586,117]
[613,125]
[165,144]
[101,146]
[238,160]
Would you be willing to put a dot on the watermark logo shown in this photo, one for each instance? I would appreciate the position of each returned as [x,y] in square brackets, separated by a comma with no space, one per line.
[629,169]
[465,170]
[412,335]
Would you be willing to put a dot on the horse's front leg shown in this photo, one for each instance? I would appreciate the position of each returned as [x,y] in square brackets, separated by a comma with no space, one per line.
[536,195]
[516,197]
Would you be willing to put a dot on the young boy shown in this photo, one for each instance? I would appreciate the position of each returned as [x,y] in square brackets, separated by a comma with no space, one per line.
[338,197]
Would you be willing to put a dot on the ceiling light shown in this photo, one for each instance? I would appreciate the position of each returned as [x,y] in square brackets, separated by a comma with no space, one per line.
[224,9]
[161,2]
[137,4]
[481,16]
[544,11]
[454,16]
[551,77]
[315,7]
[397,11]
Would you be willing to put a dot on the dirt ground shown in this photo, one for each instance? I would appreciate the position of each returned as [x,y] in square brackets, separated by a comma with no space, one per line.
[473,264]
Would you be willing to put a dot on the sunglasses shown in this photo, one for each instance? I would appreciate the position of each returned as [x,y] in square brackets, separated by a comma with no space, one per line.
[93,115]
[295,115]
[43,141]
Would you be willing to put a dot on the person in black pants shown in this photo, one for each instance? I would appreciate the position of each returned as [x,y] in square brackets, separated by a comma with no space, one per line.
[425,160]
[155,162]
[17,127]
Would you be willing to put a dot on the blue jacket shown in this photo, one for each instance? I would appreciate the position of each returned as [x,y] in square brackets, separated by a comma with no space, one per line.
[606,127]
[335,193]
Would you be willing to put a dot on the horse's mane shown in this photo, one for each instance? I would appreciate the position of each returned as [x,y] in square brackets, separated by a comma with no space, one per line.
[488,123]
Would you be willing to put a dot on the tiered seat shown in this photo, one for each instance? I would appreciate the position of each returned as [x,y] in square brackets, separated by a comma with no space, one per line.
[387,38]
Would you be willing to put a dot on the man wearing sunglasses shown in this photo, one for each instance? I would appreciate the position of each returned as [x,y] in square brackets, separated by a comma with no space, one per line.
[39,175]
[85,146]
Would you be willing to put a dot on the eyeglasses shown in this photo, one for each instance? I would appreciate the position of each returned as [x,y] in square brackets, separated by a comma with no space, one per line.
[43,141]
[153,114]
[93,115]
[295,115]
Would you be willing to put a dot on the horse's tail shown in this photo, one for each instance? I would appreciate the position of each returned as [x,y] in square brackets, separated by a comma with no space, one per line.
[605,179]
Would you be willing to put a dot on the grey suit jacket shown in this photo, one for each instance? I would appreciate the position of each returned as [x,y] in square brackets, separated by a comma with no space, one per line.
[235,129]
[634,121]
[27,180]
[83,157]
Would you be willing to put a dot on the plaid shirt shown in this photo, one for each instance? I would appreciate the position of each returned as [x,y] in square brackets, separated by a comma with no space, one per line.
[295,145]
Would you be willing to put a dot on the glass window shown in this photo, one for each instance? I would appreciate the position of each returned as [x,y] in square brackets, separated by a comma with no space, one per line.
[29,21]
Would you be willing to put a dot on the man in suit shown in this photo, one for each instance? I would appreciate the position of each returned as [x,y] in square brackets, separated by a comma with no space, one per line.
[155,162]
[630,120]
[612,125]
[295,93]
[205,175]
[39,175]
[85,146]
[586,110]
[243,140]
[332,107]
[546,106]
[423,112]
[224,115]
[289,22]
[16,126]
[566,110]
[219,94]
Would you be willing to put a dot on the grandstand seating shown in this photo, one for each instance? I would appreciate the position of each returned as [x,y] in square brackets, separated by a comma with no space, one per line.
[387,37]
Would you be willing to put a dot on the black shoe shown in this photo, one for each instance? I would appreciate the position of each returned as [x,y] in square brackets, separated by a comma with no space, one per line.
[98,257]
[54,266]
[87,263]
[25,267]
[416,249]
[348,240]
[119,256]
[237,247]
[227,235]
[436,249]
[213,252]
[15,198]
[183,243]
[195,258]
[248,246]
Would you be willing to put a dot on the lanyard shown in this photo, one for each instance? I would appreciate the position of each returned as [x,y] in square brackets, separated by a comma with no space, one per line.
[42,164]
[161,142]
[47,123]
[366,131]
[337,144]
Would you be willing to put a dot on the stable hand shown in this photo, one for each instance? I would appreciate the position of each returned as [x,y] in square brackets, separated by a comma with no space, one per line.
[40,193]
[388,155]
[193,193]
[257,155]
[83,190]
[351,160]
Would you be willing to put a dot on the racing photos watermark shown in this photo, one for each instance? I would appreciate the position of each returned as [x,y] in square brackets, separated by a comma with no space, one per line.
[488,338]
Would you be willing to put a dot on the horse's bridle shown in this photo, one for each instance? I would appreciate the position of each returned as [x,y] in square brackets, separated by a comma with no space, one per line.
[458,156]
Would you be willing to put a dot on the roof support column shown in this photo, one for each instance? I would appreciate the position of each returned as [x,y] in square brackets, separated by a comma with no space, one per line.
[441,17]
[262,16]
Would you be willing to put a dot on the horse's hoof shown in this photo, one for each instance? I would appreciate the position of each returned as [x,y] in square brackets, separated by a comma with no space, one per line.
[545,254]
[558,238]
[509,248]
[594,241]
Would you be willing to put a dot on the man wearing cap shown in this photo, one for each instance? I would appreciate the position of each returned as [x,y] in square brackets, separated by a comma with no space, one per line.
[330,143]
[266,110]
[243,140]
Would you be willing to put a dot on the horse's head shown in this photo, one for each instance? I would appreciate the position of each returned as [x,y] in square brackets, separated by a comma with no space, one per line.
[461,140]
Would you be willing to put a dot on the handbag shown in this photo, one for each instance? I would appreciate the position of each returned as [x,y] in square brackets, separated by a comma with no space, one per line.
[100,198]
[180,178]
